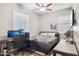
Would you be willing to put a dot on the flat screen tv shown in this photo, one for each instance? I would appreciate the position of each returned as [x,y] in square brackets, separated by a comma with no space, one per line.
[12,33]
[73,18]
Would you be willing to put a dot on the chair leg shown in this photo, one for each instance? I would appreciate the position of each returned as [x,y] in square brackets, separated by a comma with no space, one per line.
[54,53]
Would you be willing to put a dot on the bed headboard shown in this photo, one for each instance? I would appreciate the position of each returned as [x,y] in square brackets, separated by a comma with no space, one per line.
[46,32]
[56,33]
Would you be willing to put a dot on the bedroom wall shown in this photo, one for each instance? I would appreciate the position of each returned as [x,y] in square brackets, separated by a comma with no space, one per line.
[6,19]
[51,18]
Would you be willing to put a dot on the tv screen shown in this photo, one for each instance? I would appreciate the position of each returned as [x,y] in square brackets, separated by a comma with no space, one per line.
[12,33]
[73,18]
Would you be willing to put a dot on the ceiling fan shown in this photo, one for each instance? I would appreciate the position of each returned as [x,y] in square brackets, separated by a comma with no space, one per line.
[44,7]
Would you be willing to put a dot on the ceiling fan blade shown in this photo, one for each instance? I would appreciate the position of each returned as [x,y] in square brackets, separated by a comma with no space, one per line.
[37,4]
[20,5]
[48,4]
[49,9]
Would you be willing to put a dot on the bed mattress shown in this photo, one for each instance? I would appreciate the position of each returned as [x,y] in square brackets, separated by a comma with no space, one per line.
[43,43]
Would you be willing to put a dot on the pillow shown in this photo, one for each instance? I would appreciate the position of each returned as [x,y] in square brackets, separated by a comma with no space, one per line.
[51,34]
[44,34]
[47,34]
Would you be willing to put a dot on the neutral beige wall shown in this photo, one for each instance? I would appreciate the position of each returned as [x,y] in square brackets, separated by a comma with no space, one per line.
[6,19]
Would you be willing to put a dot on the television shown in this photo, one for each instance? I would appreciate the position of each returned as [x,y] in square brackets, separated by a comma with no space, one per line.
[12,33]
[74,22]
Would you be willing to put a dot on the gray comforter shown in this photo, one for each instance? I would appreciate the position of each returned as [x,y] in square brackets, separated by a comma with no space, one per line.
[44,41]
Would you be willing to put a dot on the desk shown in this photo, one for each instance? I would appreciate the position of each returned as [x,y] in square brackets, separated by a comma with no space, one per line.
[65,48]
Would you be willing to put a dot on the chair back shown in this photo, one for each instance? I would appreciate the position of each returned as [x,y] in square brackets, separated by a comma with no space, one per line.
[19,41]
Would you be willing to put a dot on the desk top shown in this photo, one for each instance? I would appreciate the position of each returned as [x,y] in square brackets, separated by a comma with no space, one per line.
[64,46]
[76,39]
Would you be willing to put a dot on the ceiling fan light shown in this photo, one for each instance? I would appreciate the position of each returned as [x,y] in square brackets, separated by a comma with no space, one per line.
[42,9]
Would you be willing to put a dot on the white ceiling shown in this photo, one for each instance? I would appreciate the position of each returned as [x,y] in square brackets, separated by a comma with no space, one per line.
[54,7]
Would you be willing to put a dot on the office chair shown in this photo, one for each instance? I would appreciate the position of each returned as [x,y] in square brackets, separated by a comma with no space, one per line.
[19,43]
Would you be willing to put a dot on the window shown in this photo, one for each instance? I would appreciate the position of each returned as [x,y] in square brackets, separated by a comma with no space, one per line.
[20,21]
[64,23]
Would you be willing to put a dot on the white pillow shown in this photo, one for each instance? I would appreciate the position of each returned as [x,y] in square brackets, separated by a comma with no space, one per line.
[51,34]
[47,34]
[44,34]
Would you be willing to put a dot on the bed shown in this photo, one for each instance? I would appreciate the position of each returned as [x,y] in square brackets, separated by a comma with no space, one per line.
[44,42]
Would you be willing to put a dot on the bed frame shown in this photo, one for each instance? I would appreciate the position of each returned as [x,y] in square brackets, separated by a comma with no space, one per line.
[58,39]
